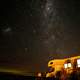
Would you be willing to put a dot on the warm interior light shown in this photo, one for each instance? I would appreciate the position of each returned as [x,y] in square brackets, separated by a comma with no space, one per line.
[69,65]
[79,65]
[65,66]
[78,62]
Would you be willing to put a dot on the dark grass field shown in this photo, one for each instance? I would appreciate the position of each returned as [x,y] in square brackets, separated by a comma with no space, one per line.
[10,76]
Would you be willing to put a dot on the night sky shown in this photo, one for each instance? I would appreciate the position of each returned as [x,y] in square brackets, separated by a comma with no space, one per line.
[32,32]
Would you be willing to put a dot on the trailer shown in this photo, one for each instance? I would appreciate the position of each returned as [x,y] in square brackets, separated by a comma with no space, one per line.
[66,65]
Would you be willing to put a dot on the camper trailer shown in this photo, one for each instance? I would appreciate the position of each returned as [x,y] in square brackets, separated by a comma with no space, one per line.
[66,65]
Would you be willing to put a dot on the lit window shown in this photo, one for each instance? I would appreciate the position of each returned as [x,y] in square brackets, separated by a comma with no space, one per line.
[79,65]
[65,66]
[69,65]
[78,62]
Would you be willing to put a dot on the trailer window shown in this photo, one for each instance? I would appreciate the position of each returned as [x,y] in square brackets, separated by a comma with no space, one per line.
[69,65]
[78,62]
[65,66]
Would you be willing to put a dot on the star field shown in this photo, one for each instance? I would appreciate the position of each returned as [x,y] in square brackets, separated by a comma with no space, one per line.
[34,31]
